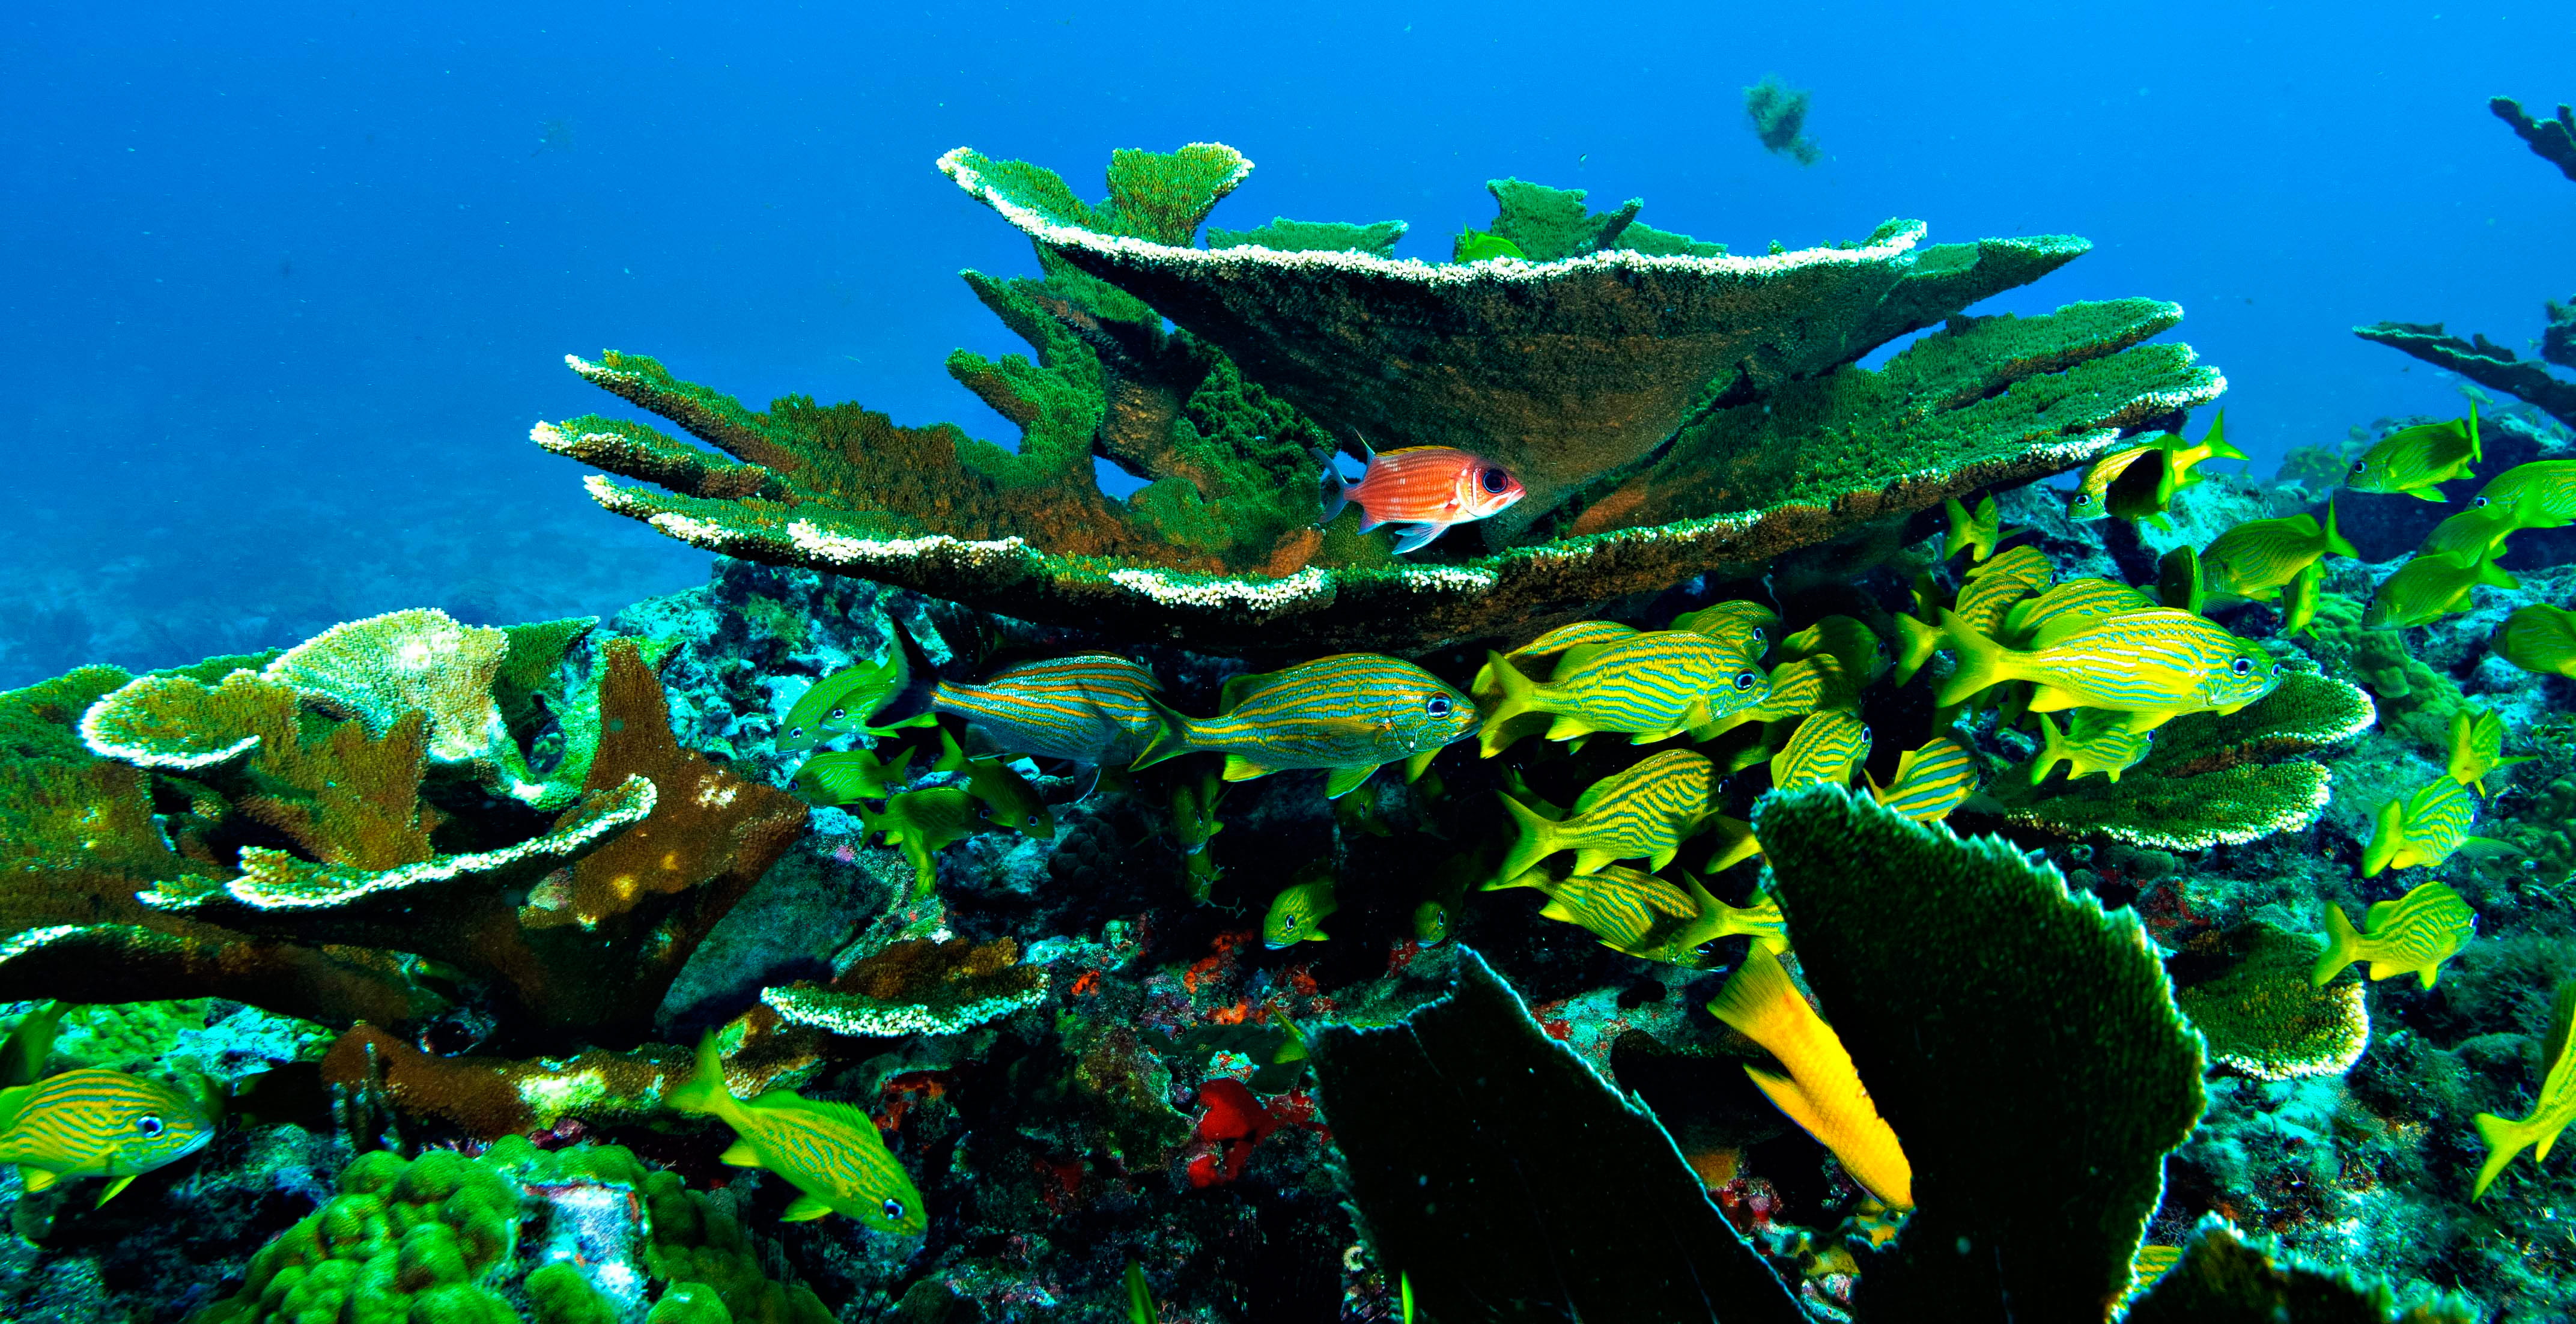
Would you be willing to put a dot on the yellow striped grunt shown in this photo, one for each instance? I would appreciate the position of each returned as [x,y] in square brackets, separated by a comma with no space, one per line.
[1297,914]
[1010,802]
[1828,746]
[1646,686]
[2428,588]
[921,824]
[2539,638]
[2153,665]
[1640,915]
[1350,714]
[2299,601]
[2549,486]
[840,704]
[2071,607]
[1642,812]
[1845,639]
[2550,1113]
[2093,740]
[1822,1091]
[2254,559]
[837,778]
[1930,780]
[2413,460]
[2027,566]
[97,1123]
[1916,642]
[1741,620]
[2413,934]
[2477,747]
[2187,459]
[1086,708]
[1488,682]
[2424,829]
[1797,689]
[1977,534]
[831,1152]
[2139,482]
[2472,532]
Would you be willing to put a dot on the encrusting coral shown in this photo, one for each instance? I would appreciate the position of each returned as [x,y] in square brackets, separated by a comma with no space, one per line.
[2246,989]
[916,987]
[1569,370]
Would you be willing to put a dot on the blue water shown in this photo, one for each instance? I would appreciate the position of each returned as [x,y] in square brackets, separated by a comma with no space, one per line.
[287,285]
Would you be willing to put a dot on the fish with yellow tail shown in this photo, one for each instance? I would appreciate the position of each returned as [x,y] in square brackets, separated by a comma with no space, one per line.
[2541,494]
[2475,531]
[2153,666]
[843,776]
[2299,601]
[1010,802]
[1642,812]
[2257,558]
[1797,689]
[1298,913]
[2540,639]
[2477,748]
[2413,934]
[1822,1090]
[841,703]
[2423,829]
[97,1123]
[2550,1113]
[1845,639]
[1979,533]
[830,1152]
[2431,586]
[1741,620]
[1828,746]
[1930,781]
[1647,687]
[2069,608]
[2139,482]
[1555,643]
[1640,915]
[1349,714]
[2416,460]
[2094,740]
[923,823]
[1093,708]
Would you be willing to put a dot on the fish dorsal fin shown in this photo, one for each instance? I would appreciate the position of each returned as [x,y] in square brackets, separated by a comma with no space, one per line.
[1232,693]
[1241,769]
[2562,1019]
[804,1209]
[2374,919]
[739,1155]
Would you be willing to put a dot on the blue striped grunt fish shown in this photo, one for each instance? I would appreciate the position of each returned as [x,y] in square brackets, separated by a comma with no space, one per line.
[1822,1092]
[2541,494]
[840,777]
[2428,588]
[1555,643]
[2068,608]
[1828,746]
[1741,621]
[2425,828]
[2413,934]
[831,1152]
[2153,665]
[1010,802]
[2094,740]
[2550,1113]
[1797,689]
[2254,559]
[97,1123]
[1350,714]
[1642,812]
[1298,913]
[2539,638]
[1095,708]
[2414,460]
[1646,686]
[2477,747]
[1977,534]
[1931,780]
[2091,499]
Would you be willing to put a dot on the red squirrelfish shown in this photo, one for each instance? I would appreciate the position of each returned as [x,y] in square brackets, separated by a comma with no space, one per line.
[1425,489]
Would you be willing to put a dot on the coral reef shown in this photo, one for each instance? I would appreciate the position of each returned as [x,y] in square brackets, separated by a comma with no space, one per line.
[2553,141]
[2246,989]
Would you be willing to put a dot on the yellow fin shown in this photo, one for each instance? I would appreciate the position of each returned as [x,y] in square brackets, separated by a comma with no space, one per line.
[739,1155]
[2561,1019]
[1241,769]
[804,1209]
[121,1183]
[37,1179]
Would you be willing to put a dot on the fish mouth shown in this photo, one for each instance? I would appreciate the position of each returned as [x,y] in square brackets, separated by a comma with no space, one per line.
[1277,946]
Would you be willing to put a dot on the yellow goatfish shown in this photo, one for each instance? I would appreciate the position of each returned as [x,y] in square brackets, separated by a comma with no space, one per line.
[2416,932]
[1822,1092]
[2550,1113]
[97,1123]
[831,1152]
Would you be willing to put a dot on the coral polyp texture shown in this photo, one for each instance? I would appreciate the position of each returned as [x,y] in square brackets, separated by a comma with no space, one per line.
[1671,411]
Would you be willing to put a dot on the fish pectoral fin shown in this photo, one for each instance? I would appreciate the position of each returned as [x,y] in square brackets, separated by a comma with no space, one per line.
[1416,537]
[112,1190]
[1241,769]
[1590,859]
[739,1155]
[1420,763]
[804,1209]
[1339,782]
[38,1179]
[2432,494]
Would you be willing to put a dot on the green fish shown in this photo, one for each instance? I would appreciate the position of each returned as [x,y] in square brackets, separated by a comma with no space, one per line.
[1930,781]
[2542,494]
[2413,934]
[1479,246]
[2139,482]
[1643,812]
[1430,923]
[2477,747]
[2414,460]
[1010,802]
[1828,746]
[1087,708]
[1648,687]
[2256,558]
[1916,642]
[2428,588]
[2071,607]
[2538,638]
[97,1123]
[2473,532]
[2186,460]
[831,1152]
[2424,829]
[1297,914]
[1845,639]
[1194,822]
[840,704]
[841,777]
[1979,534]
[1350,714]
[2152,665]
[2094,740]
[1742,622]
[2299,603]
[2092,497]
[922,823]
[1984,599]
[2550,1113]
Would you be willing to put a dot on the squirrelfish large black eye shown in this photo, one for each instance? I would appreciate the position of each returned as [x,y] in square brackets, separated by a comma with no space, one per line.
[1437,706]
[148,1124]
[1495,481]
[893,1209]
[1745,680]
[2245,666]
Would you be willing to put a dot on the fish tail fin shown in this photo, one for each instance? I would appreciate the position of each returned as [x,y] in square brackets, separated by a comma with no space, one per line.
[2052,752]
[1169,739]
[22,1059]
[916,687]
[2336,543]
[1337,491]
[2491,573]
[1981,661]
[2477,453]
[1537,840]
[1517,695]
[704,1091]
[2343,947]
[2385,841]
[2504,1138]
[1963,527]
[1915,645]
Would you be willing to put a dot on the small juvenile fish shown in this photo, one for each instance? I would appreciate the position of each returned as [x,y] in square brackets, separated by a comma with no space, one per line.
[2549,487]
[2077,604]
[1979,534]
[2550,1113]
[2413,934]
[2153,665]
[1930,781]
[97,1123]
[841,703]
[1828,746]
[1297,914]
[921,824]
[838,778]
[2424,829]
[1424,488]
[2413,460]
[1430,923]
[1843,638]
[2094,740]
[830,1152]
[2299,601]
[1646,686]
[2254,559]
[1009,801]
[2428,588]
[2538,638]
[1642,812]
[1823,1092]
[2477,747]
[1350,714]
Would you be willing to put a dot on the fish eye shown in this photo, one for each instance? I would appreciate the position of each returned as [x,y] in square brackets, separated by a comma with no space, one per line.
[1756,634]
[2478,503]
[2245,666]
[1495,481]
[1033,820]
[2362,468]
[149,1124]
[893,1209]
[838,712]
[1745,680]
[1864,735]
[1288,922]
[1438,704]
[2280,667]
[796,733]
